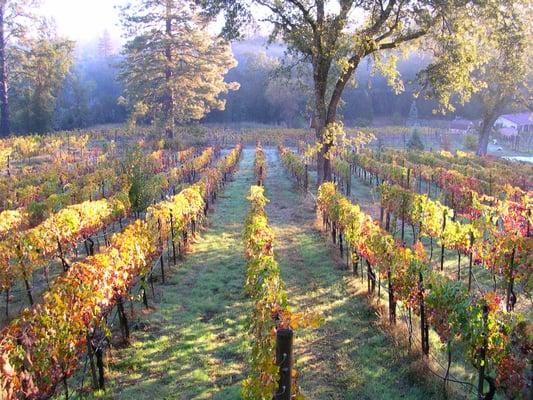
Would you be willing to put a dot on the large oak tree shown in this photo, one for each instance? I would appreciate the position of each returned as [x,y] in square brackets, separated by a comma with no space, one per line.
[508,73]
[336,36]
[173,68]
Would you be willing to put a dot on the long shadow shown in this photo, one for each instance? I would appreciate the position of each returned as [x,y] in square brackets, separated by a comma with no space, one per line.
[192,346]
[348,357]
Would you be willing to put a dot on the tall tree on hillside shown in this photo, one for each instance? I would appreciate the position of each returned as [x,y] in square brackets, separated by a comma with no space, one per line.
[503,33]
[38,72]
[508,74]
[15,17]
[105,45]
[336,35]
[172,65]
[72,108]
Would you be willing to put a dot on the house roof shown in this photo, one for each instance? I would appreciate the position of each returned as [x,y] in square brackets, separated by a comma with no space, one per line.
[524,118]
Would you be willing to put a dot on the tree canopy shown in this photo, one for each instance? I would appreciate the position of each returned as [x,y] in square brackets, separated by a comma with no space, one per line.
[37,74]
[173,69]
[335,36]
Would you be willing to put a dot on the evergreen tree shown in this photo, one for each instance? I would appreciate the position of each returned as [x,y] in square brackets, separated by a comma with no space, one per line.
[413,114]
[105,45]
[15,17]
[415,142]
[38,72]
[172,65]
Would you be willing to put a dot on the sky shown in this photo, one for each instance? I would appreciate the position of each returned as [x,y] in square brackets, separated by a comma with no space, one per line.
[82,20]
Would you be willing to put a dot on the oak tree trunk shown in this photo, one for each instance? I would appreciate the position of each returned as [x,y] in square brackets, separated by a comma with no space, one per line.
[485,130]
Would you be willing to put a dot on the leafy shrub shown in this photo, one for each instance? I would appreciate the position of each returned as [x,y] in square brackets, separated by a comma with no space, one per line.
[415,143]
[470,142]
[142,181]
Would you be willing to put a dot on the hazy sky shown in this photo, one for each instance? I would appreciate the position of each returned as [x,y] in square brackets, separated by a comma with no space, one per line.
[82,20]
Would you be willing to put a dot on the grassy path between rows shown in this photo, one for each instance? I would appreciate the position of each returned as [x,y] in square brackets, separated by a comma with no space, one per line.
[349,357]
[192,346]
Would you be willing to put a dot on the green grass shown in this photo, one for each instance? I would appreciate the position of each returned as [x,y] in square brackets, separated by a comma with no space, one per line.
[349,356]
[192,346]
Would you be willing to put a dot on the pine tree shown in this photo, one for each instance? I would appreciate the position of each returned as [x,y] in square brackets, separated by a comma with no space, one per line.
[172,64]
[105,45]
[415,142]
[413,114]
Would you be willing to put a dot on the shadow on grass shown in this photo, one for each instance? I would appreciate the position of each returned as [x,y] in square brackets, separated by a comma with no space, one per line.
[349,356]
[193,345]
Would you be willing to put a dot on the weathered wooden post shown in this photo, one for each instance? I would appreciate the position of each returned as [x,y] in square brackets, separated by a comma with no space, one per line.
[123,319]
[306,178]
[444,215]
[392,301]
[483,353]
[161,256]
[511,297]
[470,260]
[90,354]
[284,359]
[424,329]
[172,235]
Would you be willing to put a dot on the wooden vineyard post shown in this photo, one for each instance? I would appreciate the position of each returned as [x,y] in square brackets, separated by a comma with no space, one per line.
[371,275]
[306,177]
[483,354]
[95,347]
[511,297]
[161,256]
[392,301]
[284,359]
[458,265]
[355,262]
[7,303]
[403,219]
[123,319]
[470,261]
[143,288]
[349,183]
[528,230]
[25,275]
[99,353]
[444,214]
[424,329]
[90,354]
[62,255]
[173,238]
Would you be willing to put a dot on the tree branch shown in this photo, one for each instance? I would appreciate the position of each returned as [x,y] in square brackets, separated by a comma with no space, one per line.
[305,13]
[384,15]
[401,39]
